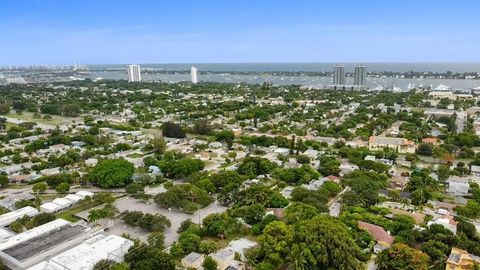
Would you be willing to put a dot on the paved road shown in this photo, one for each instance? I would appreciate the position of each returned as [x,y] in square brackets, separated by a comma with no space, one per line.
[334,206]
[338,197]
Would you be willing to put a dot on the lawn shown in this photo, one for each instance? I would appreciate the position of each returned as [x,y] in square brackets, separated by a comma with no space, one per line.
[49,197]
[55,120]
[69,214]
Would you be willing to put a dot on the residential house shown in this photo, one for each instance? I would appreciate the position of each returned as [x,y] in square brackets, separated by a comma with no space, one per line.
[311,153]
[475,170]
[16,168]
[383,238]
[193,260]
[332,178]
[225,258]
[460,259]
[10,201]
[458,186]
[431,140]
[446,221]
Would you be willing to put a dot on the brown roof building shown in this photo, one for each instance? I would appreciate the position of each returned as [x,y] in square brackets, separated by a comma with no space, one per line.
[377,232]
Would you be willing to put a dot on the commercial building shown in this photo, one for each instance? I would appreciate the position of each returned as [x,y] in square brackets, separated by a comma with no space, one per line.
[442,91]
[88,253]
[339,75]
[33,246]
[360,77]
[8,218]
[134,74]
[194,74]
[60,204]
[400,145]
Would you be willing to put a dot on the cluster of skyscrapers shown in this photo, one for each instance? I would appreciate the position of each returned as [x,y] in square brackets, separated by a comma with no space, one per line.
[134,74]
[339,76]
[359,77]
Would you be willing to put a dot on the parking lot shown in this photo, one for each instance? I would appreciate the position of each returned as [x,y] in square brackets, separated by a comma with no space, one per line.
[175,217]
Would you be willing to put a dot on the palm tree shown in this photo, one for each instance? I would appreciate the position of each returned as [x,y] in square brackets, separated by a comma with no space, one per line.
[381,261]
[299,258]
[107,212]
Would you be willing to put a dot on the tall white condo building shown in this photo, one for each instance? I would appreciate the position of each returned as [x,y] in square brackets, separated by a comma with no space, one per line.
[133,72]
[338,75]
[193,74]
[360,77]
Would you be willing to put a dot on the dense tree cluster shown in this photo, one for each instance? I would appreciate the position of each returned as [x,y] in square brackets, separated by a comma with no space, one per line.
[317,243]
[185,197]
[112,173]
[149,222]
[301,175]
[173,130]
[255,166]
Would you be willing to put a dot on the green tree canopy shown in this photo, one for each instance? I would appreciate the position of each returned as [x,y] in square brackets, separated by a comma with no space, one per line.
[112,173]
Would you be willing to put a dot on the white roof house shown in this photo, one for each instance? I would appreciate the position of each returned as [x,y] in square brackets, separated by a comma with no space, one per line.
[8,218]
[475,170]
[193,260]
[50,171]
[445,221]
[282,151]
[91,162]
[458,186]
[311,153]
[223,257]
[10,201]
[314,184]
[287,192]
[215,145]
[87,254]
[16,168]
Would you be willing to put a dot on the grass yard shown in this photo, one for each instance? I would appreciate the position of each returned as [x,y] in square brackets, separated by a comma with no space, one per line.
[69,214]
[55,120]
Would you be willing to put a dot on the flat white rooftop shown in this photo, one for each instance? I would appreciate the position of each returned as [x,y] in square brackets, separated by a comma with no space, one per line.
[84,193]
[50,207]
[62,202]
[85,255]
[4,234]
[73,197]
[8,218]
[37,231]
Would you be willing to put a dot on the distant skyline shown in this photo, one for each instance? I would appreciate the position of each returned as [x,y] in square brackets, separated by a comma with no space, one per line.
[215,31]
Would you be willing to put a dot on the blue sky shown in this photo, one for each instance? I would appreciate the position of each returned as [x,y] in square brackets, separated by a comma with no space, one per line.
[208,31]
